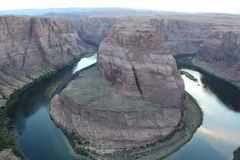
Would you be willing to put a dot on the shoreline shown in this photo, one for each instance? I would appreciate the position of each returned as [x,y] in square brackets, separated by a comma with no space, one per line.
[134,152]
[162,148]
[10,136]
[165,147]
[190,61]
[13,98]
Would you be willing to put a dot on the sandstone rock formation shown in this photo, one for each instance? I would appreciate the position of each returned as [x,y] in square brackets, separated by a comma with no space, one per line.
[182,36]
[94,29]
[135,59]
[133,99]
[31,47]
[221,50]
[92,110]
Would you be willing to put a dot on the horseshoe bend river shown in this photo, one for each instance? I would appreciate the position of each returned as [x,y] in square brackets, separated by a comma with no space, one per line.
[215,139]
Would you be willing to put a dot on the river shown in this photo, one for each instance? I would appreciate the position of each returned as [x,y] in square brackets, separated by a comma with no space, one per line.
[40,139]
[218,135]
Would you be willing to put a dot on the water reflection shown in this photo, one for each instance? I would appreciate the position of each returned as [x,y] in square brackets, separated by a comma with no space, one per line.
[224,91]
[219,134]
[84,62]
[39,138]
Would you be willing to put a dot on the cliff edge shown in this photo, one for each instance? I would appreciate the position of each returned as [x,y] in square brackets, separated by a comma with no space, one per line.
[31,47]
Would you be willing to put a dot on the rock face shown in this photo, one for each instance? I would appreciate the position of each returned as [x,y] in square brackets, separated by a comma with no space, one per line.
[135,59]
[182,36]
[93,29]
[133,98]
[92,110]
[32,47]
[221,49]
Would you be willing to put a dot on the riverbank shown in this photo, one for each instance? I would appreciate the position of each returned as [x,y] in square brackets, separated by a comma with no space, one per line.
[58,85]
[7,137]
[188,75]
[191,61]
[191,120]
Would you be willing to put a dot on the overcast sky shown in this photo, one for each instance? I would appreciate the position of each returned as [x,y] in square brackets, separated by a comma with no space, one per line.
[225,6]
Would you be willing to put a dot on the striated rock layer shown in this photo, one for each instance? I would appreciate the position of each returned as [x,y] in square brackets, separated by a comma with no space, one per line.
[221,50]
[92,110]
[93,29]
[31,47]
[136,60]
[182,36]
[133,98]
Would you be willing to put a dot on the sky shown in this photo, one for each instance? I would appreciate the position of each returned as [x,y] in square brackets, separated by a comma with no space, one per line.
[223,6]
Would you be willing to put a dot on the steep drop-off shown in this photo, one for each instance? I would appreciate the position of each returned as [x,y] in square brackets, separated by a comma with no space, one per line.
[221,50]
[93,29]
[182,36]
[137,61]
[31,47]
[133,98]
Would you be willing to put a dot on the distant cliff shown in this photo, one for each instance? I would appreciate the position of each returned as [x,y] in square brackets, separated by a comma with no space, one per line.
[31,47]
[94,29]
[221,50]
[182,36]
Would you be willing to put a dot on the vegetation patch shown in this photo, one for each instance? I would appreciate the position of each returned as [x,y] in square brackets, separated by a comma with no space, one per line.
[236,154]
[8,138]
[192,62]
[190,76]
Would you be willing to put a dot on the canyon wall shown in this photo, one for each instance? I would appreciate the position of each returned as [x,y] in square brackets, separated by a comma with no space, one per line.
[221,50]
[93,29]
[181,36]
[31,47]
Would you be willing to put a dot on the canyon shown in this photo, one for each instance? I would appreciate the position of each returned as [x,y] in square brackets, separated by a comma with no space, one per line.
[135,57]
[134,96]
[200,35]
[134,69]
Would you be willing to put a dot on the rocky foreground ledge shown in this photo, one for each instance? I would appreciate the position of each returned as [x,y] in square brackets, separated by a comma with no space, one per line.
[133,98]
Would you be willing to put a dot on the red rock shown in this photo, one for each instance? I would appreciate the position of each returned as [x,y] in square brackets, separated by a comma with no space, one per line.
[182,36]
[221,49]
[93,29]
[137,61]
[133,99]
[30,47]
